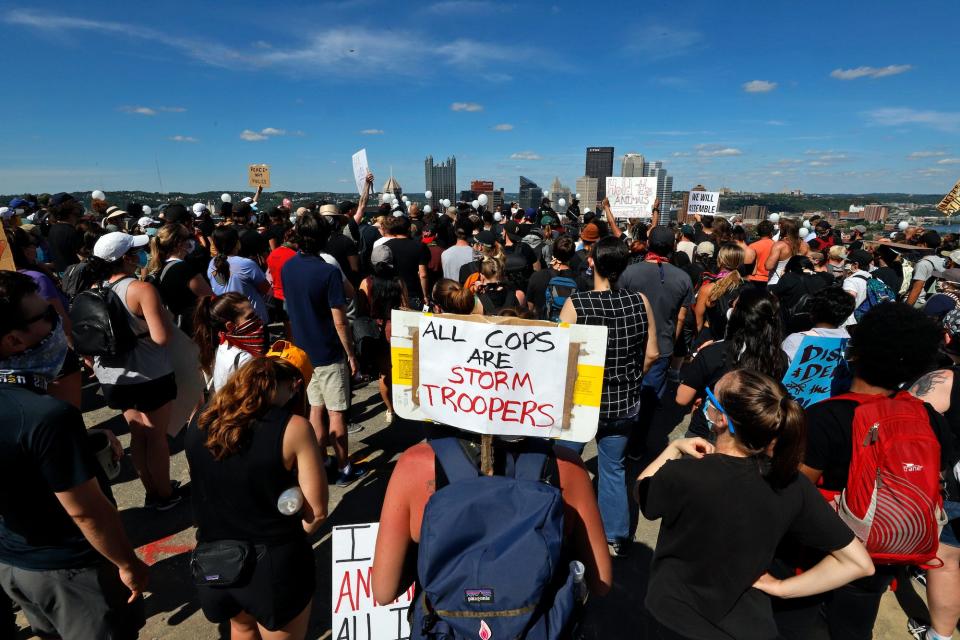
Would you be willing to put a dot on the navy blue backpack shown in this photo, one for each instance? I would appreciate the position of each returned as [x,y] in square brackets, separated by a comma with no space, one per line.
[490,564]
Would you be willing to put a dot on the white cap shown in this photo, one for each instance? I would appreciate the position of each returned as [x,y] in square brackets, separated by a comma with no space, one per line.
[113,246]
[6,212]
[199,208]
[248,199]
[146,221]
[98,195]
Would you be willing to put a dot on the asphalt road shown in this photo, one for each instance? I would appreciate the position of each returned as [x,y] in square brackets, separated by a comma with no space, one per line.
[164,540]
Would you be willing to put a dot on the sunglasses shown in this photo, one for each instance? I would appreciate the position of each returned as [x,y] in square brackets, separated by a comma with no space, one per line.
[713,402]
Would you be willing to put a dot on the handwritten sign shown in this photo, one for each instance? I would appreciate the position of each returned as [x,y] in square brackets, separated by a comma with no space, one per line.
[631,197]
[501,379]
[6,255]
[356,615]
[703,202]
[818,370]
[951,202]
[258,175]
[360,169]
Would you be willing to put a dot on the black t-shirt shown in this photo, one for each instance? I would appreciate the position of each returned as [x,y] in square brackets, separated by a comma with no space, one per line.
[43,449]
[721,524]
[252,244]
[889,277]
[704,371]
[830,440]
[64,241]
[174,286]
[275,232]
[498,296]
[408,255]
[701,236]
[537,287]
[341,247]
[512,271]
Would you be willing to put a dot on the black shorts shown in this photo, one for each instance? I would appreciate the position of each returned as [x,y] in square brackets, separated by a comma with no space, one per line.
[280,587]
[143,396]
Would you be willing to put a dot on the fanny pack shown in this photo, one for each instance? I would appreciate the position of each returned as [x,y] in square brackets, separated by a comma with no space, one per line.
[223,563]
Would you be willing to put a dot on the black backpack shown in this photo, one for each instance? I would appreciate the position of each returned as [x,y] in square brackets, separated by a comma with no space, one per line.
[516,271]
[100,323]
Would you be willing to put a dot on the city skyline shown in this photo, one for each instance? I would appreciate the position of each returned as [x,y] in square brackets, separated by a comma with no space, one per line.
[120,96]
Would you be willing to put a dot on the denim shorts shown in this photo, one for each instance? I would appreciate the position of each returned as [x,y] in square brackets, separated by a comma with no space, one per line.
[951,531]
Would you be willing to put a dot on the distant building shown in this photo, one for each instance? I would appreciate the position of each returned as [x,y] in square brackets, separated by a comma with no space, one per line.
[876,213]
[440,179]
[753,213]
[558,191]
[685,203]
[587,188]
[664,188]
[392,186]
[632,165]
[530,193]
[855,209]
[726,191]
[599,166]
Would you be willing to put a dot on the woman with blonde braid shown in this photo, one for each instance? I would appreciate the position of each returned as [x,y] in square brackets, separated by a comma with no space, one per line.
[178,281]
[718,292]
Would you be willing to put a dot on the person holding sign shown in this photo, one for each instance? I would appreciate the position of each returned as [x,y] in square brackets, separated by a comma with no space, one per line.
[631,351]
[726,507]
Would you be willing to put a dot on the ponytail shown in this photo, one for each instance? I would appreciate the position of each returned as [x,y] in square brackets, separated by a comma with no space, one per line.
[791,439]
[225,241]
[211,317]
[452,297]
[729,258]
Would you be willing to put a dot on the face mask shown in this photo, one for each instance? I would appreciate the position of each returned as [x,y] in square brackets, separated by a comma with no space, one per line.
[142,258]
[191,245]
[249,336]
[293,219]
[514,211]
[41,255]
[43,359]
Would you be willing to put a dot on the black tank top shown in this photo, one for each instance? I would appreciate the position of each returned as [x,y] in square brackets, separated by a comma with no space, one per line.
[236,498]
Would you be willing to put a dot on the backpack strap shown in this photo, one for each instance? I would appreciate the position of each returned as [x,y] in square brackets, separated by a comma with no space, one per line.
[527,466]
[453,459]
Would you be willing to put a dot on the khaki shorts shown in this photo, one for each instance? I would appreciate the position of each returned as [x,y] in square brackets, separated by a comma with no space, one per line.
[330,386]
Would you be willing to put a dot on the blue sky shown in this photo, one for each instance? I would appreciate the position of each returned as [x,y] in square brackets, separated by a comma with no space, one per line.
[821,96]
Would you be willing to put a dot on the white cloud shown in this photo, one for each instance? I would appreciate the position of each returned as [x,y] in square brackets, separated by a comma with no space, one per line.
[933,171]
[759,86]
[679,154]
[658,41]
[271,131]
[252,136]
[717,151]
[525,155]
[268,132]
[916,155]
[818,163]
[183,139]
[503,127]
[372,132]
[466,106]
[143,111]
[870,72]
[949,161]
[898,116]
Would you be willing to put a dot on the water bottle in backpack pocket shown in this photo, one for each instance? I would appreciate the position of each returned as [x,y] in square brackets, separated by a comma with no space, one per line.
[490,559]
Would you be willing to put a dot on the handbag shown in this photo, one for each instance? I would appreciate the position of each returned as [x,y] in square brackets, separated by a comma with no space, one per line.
[223,563]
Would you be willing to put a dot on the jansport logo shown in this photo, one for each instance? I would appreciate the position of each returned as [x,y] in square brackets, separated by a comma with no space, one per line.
[909,466]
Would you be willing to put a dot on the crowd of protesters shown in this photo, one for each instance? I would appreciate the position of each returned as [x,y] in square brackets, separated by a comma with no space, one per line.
[251,330]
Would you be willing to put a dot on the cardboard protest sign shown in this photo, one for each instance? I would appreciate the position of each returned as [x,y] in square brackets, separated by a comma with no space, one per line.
[818,370]
[356,615]
[6,256]
[499,376]
[258,175]
[631,197]
[951,202]
[703,203]
[360,169]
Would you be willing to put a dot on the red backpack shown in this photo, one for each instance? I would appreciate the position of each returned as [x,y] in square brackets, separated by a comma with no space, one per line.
[892,500]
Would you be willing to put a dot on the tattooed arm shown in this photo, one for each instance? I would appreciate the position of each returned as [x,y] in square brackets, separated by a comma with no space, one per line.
[934,388]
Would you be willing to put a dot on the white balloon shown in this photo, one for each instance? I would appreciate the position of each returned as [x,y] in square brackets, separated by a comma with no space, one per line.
[428,194]
[475,204]
[562,202]
[147,210]
[587,210]
[774,218]
[903,226]
[546,194]
[497,216]
[98,195]
[577,196]
[806,224]
[396,205]
[225,198]
[804,232]
[427,209]
[388,197]
[445,202]
[482,199]
[405,198]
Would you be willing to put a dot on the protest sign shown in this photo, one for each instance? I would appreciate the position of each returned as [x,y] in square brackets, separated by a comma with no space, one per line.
[818,370]
[356,615]
[703,203]
[6,255]
[500,376]
[631,197]
[360,169]
[951,202]
[258,175]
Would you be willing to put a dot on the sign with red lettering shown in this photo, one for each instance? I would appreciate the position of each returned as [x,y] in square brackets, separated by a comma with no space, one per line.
[494,379]
[356,615]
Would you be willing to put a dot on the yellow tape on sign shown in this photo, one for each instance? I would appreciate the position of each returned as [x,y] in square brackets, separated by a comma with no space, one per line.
[402,360]
[587,388]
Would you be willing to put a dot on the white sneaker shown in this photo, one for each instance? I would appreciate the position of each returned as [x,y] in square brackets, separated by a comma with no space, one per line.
[388,418]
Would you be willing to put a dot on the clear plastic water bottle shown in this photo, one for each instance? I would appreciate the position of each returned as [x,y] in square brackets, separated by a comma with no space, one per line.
[290,501]
[578,571]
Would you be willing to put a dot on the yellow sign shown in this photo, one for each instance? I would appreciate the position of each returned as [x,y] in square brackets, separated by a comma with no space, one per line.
[258,175]
[6,256]
[951,202]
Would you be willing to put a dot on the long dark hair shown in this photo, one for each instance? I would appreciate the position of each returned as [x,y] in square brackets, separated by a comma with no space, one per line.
[387,294]
[211,317]
[225,240]
[763,413]
[755,333]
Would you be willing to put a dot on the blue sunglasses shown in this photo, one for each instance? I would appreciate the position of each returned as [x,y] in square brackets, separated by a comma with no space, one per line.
[712,400]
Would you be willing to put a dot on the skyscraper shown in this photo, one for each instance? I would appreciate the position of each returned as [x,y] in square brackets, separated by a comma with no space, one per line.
[632,165]
[599,166]
[587,188]
[664,187]
[558,191]
[441,179]
[530,193]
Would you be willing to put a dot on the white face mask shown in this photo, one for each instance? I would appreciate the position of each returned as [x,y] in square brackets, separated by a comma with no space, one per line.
[514,211]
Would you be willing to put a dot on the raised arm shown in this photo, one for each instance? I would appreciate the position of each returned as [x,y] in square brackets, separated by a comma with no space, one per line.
[362,203]
[611,221]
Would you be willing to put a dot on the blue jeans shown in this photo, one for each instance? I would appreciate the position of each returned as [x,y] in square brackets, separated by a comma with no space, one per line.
[655,380]
[611,478]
